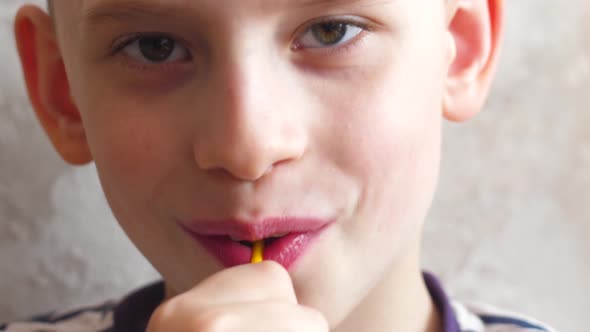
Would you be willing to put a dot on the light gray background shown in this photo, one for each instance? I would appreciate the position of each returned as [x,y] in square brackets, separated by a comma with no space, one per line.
[510,224]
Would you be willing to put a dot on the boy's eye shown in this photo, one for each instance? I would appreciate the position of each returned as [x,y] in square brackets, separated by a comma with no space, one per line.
[155,49]
[329,34]
[161,49]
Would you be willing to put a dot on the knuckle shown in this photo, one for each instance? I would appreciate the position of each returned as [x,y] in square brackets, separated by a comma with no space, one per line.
[318,321]
[275,271]
[159,319]
[211,320]
[182,314]
[169,314]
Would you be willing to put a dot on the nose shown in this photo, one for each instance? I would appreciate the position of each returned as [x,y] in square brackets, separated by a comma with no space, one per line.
[250,127]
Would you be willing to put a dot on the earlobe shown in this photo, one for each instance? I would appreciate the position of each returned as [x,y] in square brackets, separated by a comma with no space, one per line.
[47,84]
[475,35]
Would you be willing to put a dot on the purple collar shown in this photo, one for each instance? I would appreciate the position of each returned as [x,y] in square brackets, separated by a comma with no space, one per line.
[442,303]
[134,311]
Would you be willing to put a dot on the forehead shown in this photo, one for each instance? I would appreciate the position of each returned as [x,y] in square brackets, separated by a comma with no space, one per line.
[89,5]
[88,9]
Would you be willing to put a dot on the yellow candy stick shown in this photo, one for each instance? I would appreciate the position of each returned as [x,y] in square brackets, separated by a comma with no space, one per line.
[257,252]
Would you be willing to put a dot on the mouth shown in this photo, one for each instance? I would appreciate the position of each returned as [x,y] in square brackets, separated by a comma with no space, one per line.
[267,241]
[285,241]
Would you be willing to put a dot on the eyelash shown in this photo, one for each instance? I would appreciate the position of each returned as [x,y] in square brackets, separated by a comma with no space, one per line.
[347,46]
[120,45]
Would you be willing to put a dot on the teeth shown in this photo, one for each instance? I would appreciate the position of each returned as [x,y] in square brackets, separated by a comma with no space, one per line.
[279,235]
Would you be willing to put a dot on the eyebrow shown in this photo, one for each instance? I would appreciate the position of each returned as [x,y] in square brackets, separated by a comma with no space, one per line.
[120,10]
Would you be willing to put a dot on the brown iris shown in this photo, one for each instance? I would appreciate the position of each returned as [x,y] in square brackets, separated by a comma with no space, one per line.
[329,33]
[156,49]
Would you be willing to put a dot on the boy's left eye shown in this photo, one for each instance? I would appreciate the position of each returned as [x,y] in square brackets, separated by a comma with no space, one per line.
[155,49]
[329,34]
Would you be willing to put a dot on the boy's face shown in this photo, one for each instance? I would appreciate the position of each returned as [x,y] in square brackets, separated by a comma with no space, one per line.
[246,110]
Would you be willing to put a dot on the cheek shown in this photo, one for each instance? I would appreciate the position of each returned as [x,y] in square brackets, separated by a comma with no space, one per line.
[128,137]
[399,169]
[390,143]
[130,152]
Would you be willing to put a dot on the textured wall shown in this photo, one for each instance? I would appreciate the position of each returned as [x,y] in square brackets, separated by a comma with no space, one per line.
[509,226]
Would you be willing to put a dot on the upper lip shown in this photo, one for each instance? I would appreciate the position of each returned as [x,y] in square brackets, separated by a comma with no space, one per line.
[244,230]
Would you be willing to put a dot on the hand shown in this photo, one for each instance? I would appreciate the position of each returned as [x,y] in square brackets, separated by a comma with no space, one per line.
[247,298]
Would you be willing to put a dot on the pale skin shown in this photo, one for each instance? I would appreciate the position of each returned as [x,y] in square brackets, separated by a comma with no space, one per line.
[349,131]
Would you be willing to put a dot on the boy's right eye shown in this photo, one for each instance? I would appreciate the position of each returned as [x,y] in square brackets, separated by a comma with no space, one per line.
[154,49]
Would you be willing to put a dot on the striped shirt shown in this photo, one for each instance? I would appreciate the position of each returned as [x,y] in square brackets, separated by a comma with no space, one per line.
[133,312]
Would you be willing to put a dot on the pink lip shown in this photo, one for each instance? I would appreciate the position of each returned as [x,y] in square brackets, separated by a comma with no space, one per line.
[214,236]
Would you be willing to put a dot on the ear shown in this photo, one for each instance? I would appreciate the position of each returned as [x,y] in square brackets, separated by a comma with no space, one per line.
[47,84]
[475,35]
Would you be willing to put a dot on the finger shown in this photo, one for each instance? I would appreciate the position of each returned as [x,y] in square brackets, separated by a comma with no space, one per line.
[246,283]
[267,316]
[275,316]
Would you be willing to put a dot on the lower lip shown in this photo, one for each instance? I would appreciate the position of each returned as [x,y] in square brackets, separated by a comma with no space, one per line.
[285,251]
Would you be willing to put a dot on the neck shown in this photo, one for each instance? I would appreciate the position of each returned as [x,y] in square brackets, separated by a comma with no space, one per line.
[399,302]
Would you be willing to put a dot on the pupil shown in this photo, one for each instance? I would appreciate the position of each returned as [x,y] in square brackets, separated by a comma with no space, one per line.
[156,49]
[330,32]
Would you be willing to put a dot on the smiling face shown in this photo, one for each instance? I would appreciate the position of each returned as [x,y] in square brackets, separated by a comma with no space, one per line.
[240,110]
